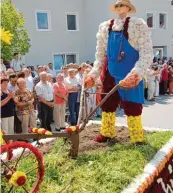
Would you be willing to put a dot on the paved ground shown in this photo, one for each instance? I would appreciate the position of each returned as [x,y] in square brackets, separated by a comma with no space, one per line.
[157,114]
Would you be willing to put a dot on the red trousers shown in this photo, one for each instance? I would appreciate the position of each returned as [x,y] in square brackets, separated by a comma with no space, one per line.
[130,108]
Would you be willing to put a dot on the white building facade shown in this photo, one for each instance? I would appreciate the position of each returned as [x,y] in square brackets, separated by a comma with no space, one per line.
[64,31]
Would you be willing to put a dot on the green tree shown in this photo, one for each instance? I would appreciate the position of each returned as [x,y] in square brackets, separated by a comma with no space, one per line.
[13,21]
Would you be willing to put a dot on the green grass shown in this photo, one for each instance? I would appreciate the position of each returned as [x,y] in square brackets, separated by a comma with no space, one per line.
[97,172]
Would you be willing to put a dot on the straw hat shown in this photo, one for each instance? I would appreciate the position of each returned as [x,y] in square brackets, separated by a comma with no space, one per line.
[72,70]
[124,2]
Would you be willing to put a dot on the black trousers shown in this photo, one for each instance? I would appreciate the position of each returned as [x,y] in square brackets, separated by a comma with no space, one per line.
[46,116]
[163,87]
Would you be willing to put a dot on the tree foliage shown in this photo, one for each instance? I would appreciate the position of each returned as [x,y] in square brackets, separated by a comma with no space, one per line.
[13,21]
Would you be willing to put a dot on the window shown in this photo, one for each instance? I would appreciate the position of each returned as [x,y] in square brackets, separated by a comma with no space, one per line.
[72,22]
[43,20]
[162,20]
[150,20]
[61,59]
[172,2]
[71,58]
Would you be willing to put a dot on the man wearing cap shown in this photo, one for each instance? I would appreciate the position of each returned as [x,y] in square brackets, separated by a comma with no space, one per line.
[123,53]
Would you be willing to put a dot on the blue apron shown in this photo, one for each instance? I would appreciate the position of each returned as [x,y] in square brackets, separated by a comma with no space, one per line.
[119,70]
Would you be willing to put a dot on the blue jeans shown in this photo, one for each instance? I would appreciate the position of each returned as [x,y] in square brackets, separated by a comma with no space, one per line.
[73,108]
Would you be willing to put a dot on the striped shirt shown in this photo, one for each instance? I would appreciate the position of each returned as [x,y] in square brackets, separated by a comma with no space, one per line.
[44,90]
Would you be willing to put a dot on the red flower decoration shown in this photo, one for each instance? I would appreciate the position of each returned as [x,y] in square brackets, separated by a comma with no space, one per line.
[21,180]
[68,130]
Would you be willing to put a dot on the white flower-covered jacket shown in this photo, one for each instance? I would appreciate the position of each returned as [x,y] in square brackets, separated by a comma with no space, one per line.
[139,38]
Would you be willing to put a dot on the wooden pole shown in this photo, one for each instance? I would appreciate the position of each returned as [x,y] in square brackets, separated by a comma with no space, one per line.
[81,108]
[82,126]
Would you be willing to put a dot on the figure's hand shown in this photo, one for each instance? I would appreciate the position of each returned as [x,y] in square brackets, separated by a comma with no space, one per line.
[89,82]
[131,80]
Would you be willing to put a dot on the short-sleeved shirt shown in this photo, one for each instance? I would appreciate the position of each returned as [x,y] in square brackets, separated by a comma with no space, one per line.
[16,65]
[29,83]
[44,90]
[23,98]
[72,82]
[60,89]
[8,109]
[11,88]
[52,72]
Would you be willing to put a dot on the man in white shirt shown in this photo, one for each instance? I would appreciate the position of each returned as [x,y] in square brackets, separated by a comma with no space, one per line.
[52,71]
[16,63]
[29,80]
[44,92]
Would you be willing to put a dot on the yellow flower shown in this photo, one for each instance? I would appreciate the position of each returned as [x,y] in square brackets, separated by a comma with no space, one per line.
[135,129]
[1,138]
[108,124]
[73,128]
[5,36]
[18,179]
[48,133]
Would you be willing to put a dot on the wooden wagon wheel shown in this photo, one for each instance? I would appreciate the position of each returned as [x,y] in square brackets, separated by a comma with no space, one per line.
[17,179]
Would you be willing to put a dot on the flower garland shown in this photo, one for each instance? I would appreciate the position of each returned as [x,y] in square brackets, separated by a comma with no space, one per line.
[1,137]
[72,129]
[18,179]
[108,125]
[139,38]
[40,131]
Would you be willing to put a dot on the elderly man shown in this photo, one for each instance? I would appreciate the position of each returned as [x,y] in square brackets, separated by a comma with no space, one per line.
[44,92]
[24,102]
[29,80]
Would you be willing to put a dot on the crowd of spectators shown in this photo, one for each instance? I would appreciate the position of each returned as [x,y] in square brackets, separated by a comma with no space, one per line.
[43,96]
[159,79]
[30,97]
